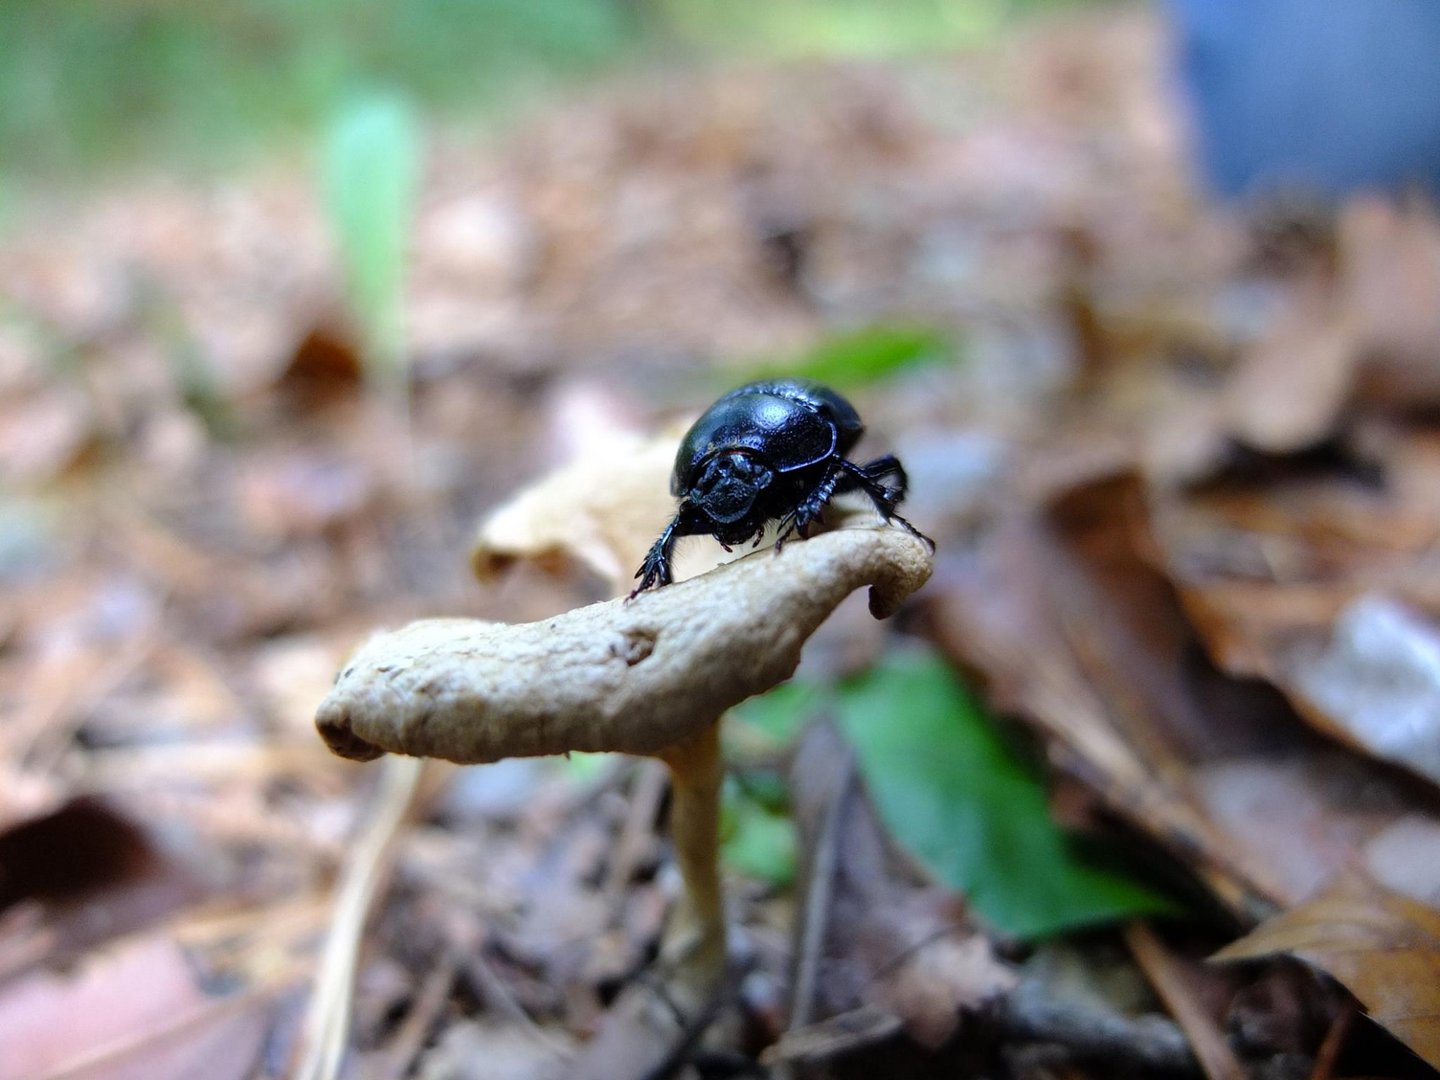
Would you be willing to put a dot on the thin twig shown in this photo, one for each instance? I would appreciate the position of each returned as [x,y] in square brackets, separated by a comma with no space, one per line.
[1334,1042]
[1093,1034]
[1165,975]
[327,1025]
[397,1058]
[695,1026]
[651,784]
[490,988]
[819,897]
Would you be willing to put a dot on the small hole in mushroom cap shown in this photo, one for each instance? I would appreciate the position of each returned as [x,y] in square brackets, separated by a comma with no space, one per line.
[635,645]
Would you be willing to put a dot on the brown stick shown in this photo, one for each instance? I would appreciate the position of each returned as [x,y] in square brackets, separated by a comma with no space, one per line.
[1168,979]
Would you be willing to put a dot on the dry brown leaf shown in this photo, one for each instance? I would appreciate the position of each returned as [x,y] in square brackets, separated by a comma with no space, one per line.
[105,849]
[1383,947]
[1320,580]
[97,871]
[631,676]
[1404,857]
[1290,388]
[1390,266]
[222,1040]
[1377,683]
[44,436]
[1362,331]
[324,367]
[1078,632]
[123,1012]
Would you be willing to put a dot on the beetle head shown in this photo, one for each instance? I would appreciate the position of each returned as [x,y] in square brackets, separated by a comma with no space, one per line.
[728,486]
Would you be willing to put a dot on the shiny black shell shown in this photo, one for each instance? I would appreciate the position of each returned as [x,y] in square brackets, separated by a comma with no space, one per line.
[787,424]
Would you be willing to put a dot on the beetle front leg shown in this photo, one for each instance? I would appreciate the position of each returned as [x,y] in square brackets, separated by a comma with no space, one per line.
[799,519]
[655,570]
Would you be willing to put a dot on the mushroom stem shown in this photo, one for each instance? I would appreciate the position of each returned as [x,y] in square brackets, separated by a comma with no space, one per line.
[694,943]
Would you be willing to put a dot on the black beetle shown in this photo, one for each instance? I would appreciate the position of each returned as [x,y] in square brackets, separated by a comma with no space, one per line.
[767,451]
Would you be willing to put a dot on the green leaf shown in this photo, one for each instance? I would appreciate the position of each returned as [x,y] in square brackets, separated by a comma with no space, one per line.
[756,840]
[949,788]
[372,170]
[863,356]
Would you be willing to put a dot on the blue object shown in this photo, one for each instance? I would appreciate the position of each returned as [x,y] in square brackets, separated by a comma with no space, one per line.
[1318,97]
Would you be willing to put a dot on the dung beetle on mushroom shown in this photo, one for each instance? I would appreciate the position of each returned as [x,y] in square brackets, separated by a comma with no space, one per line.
[770,451]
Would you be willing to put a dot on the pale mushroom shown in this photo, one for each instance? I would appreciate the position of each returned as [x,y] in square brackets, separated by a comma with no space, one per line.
[649,677]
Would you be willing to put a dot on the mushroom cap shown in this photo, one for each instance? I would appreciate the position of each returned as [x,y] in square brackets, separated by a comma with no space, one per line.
[602,509]
[635,677]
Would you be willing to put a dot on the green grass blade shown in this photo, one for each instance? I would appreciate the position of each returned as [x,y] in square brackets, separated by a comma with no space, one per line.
[372,173]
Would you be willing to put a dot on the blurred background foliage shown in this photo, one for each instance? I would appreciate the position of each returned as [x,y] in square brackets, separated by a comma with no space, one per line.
[88,83]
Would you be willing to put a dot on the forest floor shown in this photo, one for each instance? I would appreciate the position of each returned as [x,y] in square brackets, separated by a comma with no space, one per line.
[1183,471]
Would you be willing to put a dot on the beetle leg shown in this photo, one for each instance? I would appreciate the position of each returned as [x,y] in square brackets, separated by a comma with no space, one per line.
[788,524]
[800,519]
[867,478]
[655,570]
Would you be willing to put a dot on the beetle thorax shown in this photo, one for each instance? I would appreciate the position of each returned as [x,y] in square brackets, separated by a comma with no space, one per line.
[729,484]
